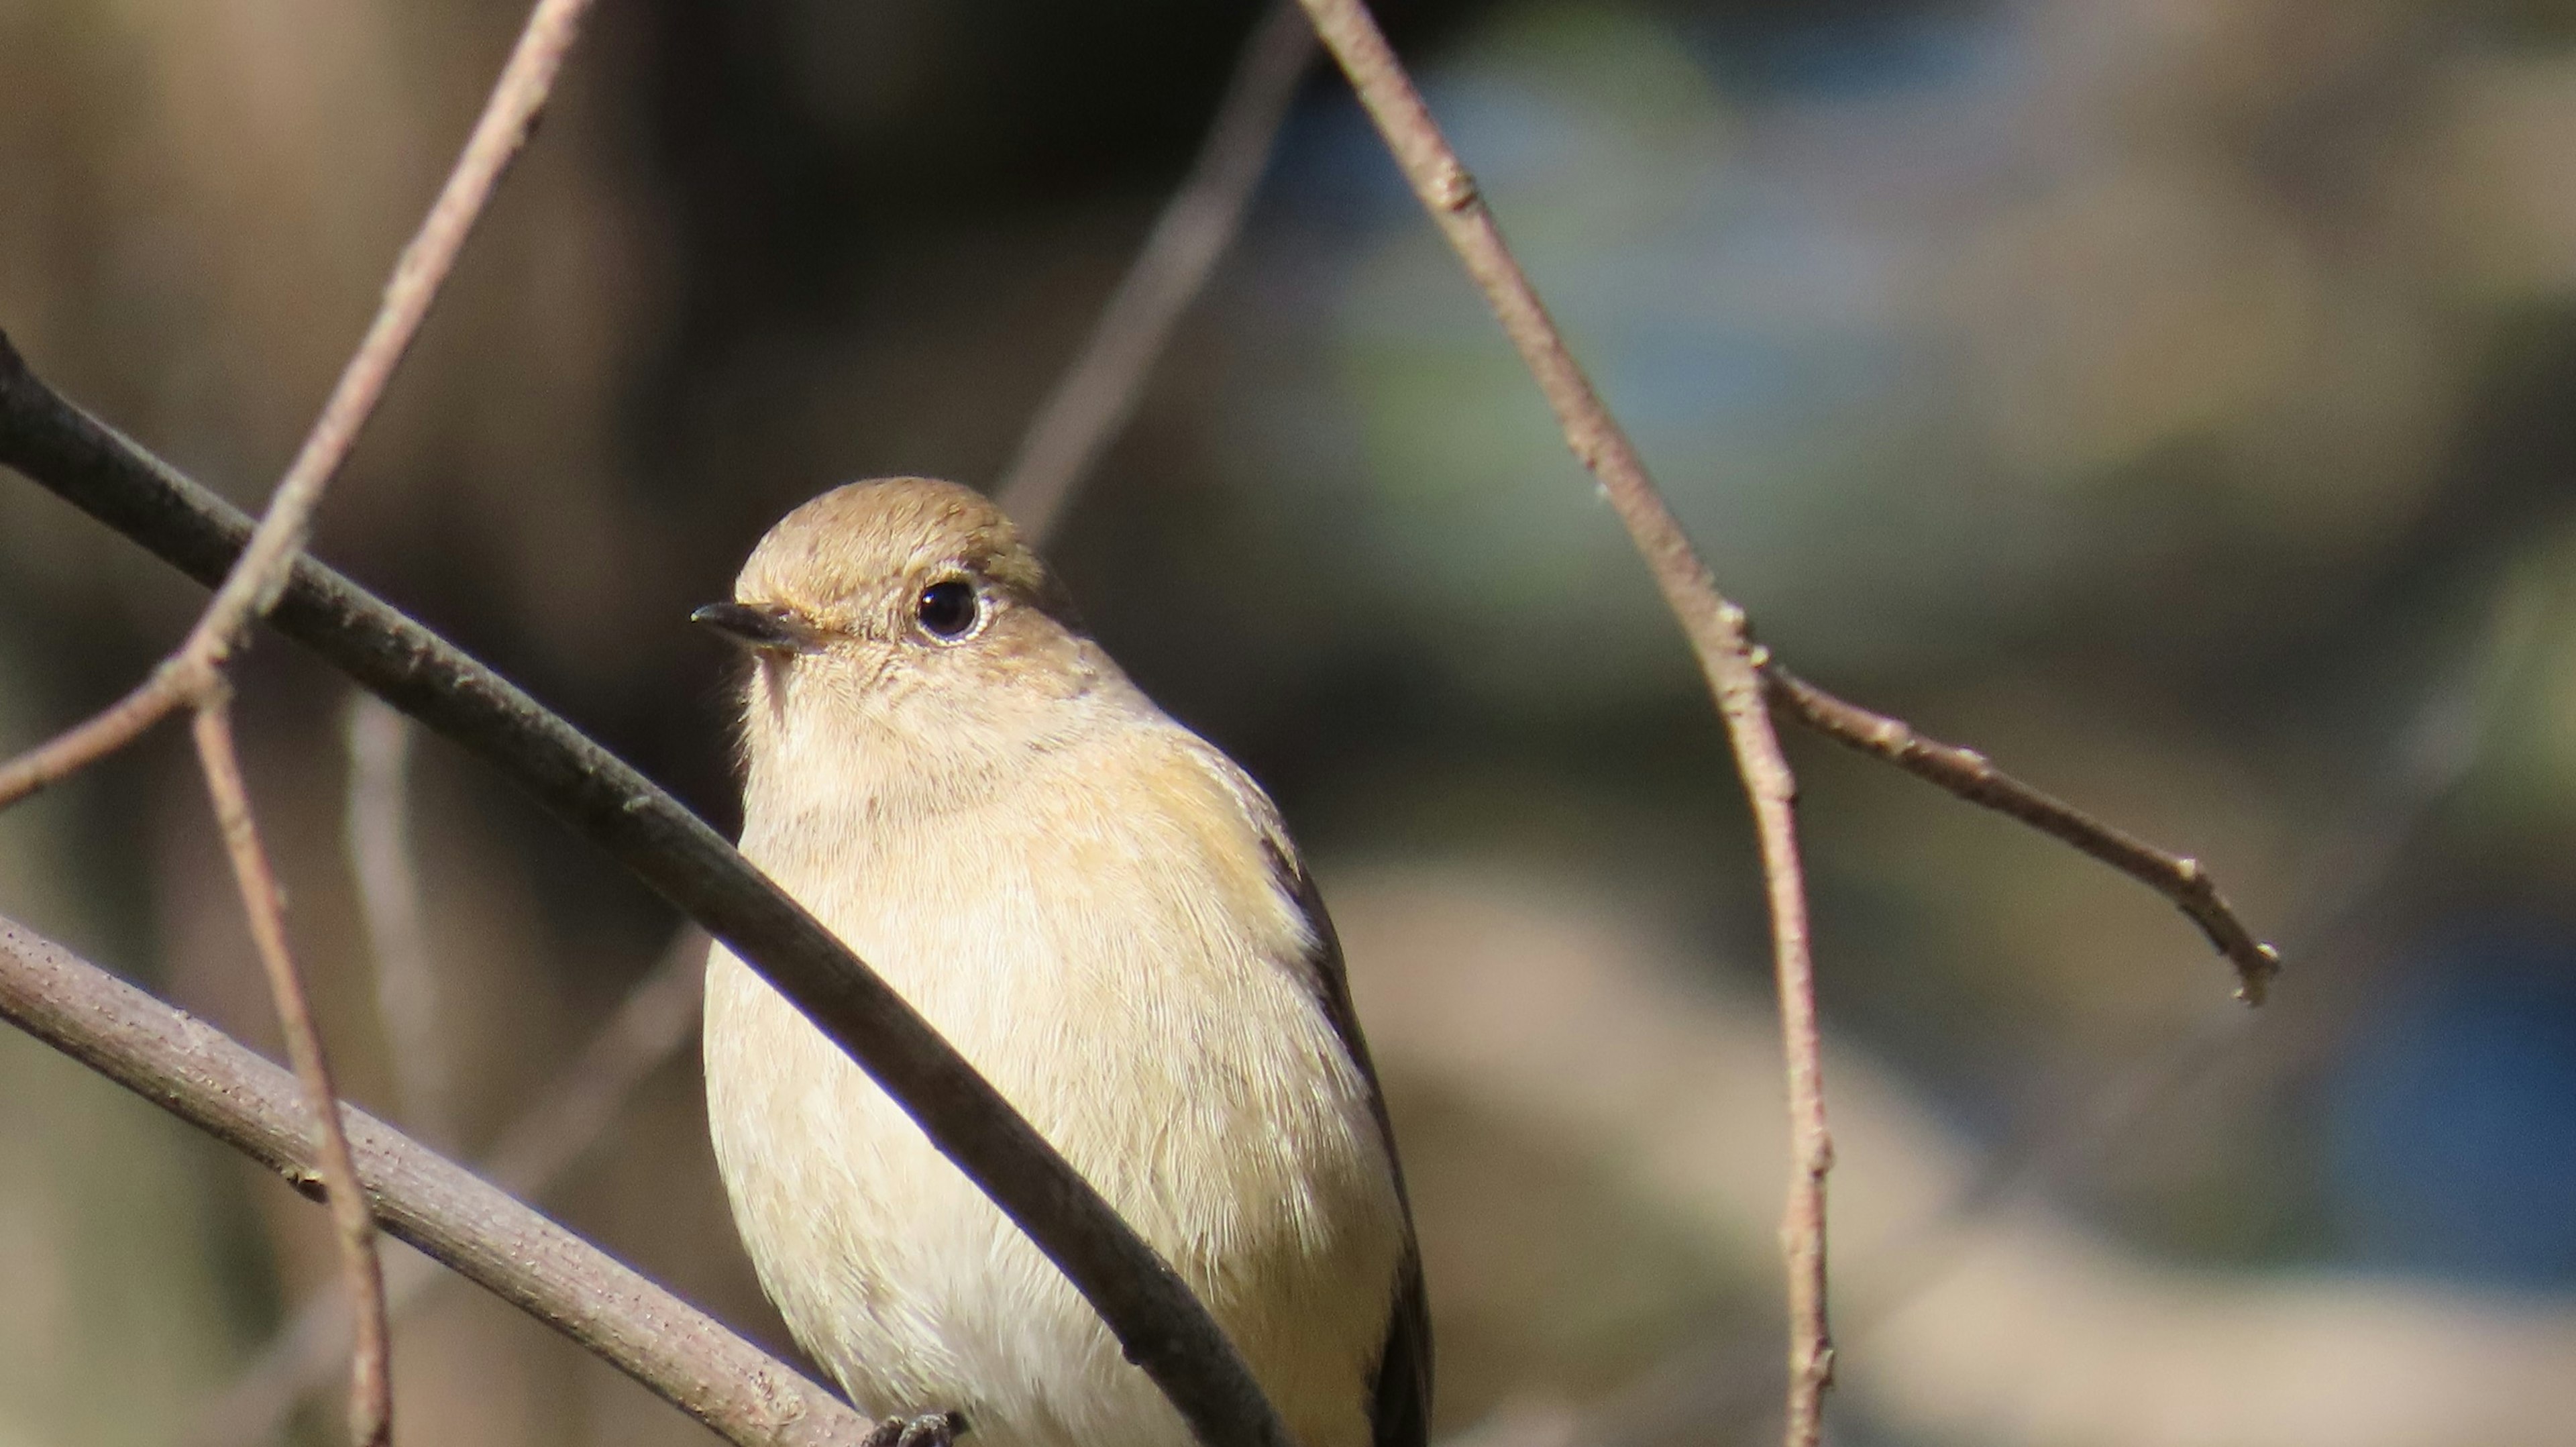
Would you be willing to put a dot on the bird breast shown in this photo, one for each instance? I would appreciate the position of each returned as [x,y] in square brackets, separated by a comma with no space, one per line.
[1112,947]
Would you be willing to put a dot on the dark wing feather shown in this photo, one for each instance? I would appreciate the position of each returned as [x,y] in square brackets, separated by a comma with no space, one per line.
[1401,1410]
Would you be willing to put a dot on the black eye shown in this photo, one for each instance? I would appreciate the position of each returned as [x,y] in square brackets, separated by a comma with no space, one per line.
[947,610]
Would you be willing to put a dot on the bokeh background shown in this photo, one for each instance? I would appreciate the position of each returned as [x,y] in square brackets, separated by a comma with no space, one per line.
[2175,399]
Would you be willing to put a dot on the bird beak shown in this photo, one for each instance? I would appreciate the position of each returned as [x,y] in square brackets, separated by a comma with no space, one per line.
[765,630]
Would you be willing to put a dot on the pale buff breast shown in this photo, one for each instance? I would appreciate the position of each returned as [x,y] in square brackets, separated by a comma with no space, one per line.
[1123,965]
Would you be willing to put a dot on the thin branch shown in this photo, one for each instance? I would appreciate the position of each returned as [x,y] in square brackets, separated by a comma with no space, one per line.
[657,1018]
[1097,395]
[1967,774]
[95,738]
[200,1075]
[251,588]
[376,830]
[1147,1306]
[1714,626]
[371,1400]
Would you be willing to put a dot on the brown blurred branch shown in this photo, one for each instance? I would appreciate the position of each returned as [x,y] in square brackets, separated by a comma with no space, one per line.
[656,1019]
[371,1400]
[376,830]
[1967,774]
[1098,393]
[202,1076]
[1158,1322]
[1715,627]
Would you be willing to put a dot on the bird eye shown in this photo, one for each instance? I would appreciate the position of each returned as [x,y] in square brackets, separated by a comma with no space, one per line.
[949,610]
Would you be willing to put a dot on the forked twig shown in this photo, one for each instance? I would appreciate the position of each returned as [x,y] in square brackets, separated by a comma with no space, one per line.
[1967,774]
[371,1368]
[1098,393]
[1714,626]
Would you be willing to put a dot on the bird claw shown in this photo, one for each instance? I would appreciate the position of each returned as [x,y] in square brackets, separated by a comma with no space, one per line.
[935,1429]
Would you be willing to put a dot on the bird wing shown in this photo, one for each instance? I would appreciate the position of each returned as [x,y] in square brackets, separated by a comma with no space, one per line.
[1400,1411]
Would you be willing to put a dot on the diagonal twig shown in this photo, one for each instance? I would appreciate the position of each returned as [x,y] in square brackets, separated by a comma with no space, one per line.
[1969,775]
[1097,394]
[370,1362]
[200,1075]
[1714,626]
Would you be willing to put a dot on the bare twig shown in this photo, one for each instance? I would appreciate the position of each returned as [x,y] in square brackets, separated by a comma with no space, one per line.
[1147,1306]
[197,1073]
[370,1366]
[1714,626]
[376,830]
[78,747]
[1095,397]
[657,1018]
[251,588]
[2362,858]
[1967,774]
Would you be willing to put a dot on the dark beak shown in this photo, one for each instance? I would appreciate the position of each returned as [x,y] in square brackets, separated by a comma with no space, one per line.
[768,630]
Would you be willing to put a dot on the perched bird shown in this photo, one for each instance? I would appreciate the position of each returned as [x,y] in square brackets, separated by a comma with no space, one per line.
[1105,915]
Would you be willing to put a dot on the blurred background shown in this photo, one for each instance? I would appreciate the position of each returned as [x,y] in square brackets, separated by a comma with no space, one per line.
[2174,399]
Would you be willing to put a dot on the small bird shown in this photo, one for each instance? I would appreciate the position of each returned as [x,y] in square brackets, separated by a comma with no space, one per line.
[1105,915]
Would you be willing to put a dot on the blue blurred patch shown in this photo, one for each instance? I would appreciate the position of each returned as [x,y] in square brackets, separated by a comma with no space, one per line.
[2451,1127]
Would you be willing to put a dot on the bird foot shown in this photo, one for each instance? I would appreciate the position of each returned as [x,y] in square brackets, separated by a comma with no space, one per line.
[936,1429]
